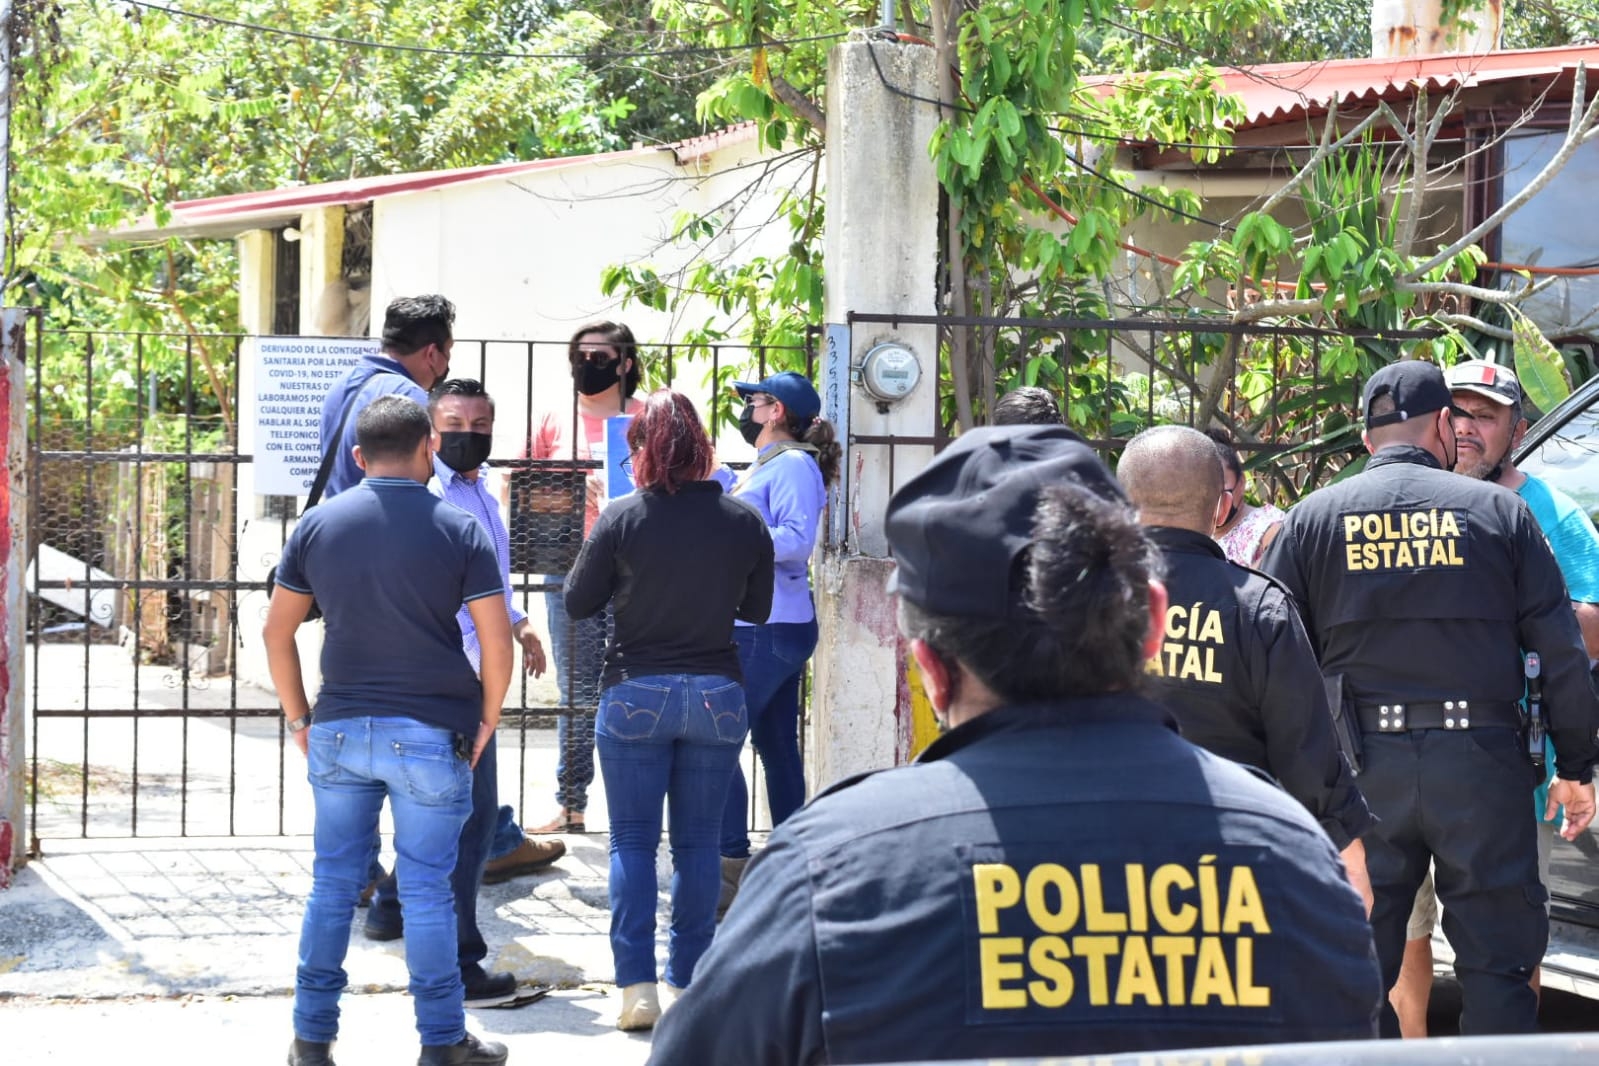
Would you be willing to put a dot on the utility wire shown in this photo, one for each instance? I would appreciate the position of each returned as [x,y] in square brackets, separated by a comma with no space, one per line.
[352,42]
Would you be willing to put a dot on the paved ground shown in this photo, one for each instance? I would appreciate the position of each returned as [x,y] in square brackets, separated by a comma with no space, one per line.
[173,949]
[160,924]
[178,951]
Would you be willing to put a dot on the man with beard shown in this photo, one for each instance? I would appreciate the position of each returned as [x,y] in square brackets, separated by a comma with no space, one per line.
[1421,589]
[1489,425]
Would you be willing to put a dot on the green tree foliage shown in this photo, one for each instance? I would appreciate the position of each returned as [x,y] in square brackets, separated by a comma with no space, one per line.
[1037,212]
[126,110]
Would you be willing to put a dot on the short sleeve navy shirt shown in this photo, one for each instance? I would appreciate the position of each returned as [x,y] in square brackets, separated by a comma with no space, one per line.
[390,565]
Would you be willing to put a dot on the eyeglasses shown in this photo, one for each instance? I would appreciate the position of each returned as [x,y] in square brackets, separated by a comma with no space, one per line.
[627,467]
[598,356]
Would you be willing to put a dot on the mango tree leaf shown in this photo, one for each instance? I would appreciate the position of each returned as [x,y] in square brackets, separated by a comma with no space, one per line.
[1538,363]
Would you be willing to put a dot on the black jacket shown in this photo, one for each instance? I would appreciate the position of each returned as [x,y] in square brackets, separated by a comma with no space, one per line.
[1044,880]
[1421,585]
[1240,674]
[676,568]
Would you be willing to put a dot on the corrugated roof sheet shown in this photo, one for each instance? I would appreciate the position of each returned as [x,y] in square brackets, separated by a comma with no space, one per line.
[224,216]
[1280,92]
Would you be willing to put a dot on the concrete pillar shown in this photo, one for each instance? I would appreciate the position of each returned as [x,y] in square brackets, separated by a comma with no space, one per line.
[257,268]
[14,550]
[881,257]
[321,260]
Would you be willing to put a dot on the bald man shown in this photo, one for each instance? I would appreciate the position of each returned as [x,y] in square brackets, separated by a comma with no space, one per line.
[1236,666]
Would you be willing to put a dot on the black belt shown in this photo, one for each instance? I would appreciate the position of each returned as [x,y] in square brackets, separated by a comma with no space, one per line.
[1438,714]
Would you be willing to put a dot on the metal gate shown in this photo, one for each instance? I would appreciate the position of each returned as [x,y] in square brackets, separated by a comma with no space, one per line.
[151,713]
[1289,394]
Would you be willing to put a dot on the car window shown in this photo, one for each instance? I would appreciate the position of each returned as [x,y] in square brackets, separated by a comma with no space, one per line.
[1569,459]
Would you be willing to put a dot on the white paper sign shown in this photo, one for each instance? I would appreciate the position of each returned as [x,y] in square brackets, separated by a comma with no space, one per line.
[292,378]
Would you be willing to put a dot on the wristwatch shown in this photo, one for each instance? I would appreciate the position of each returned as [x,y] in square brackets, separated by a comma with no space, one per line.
[300,724]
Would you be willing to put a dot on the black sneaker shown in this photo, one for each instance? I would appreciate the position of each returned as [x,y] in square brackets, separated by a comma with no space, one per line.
[488,989]
[469,1052]
[378,927]
[310,1053]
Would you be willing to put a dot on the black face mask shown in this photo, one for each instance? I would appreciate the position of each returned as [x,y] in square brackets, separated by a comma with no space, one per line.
[462,451]
[1233,512]
[748,428]
[593,379]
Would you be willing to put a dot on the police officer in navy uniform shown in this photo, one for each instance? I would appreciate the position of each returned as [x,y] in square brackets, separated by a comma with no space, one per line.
[1235,665]
[1060,872]
[1420,588]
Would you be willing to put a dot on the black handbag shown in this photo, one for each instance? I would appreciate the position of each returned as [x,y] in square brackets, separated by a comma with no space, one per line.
[319,485]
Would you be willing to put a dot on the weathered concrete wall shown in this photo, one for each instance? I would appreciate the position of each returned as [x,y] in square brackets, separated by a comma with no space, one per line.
[14,608]
[1417,28]
[881,257]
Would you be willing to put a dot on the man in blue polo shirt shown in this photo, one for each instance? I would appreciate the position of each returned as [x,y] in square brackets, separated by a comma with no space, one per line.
[492,846]
[400,715]
[418,333]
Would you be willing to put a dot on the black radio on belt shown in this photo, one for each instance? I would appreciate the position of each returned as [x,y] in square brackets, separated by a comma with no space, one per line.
[1535,726]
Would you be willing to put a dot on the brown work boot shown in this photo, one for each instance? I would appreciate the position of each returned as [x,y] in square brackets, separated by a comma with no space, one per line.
[565,821]
[530,856]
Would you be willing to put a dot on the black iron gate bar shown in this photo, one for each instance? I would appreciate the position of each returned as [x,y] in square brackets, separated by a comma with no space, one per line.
[88,458]
[1119,330]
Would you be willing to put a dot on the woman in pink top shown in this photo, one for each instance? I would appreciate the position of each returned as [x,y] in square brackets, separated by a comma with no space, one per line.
[605,373]
[1243,530]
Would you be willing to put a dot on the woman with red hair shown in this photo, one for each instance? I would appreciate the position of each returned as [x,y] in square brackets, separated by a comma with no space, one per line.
[677,561]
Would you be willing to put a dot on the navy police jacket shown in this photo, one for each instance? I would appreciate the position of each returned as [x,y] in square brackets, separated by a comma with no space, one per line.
[1238,671]
[1046,880]
[1421,585]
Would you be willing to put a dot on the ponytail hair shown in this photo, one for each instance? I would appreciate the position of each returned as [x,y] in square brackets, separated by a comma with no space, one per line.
[820,436]
[818,433]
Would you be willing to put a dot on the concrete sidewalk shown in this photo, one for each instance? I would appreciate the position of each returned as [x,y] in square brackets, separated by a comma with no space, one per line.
[183,951]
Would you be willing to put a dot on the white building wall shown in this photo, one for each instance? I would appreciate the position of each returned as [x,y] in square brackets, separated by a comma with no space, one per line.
[523,258]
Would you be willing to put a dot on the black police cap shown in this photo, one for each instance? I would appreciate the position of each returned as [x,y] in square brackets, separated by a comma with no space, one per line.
[1416,388]
[957,528]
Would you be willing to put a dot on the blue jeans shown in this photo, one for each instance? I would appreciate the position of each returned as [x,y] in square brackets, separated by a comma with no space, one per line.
[508,835]
[773,659]
[477,836]
[674,737]
[353,765]
[577,648]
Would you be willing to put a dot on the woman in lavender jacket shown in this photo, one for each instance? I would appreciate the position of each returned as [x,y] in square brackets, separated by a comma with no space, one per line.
[797,457]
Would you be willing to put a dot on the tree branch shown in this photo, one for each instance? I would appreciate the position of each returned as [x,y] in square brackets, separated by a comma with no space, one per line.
[1579,130]
[1473,322]
[1477,292]
[798,102]
[1326,149]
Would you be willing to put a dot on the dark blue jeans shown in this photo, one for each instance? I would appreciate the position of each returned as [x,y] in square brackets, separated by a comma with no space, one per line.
[577,647]
[354,764]
[675,738]
[773,659]
[507,836]
[477,835]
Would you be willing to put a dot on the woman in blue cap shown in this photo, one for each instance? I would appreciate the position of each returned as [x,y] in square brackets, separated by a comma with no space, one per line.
[797,458]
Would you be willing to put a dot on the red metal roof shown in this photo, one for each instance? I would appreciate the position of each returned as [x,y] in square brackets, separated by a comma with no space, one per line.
[221,216]
[1281,92]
